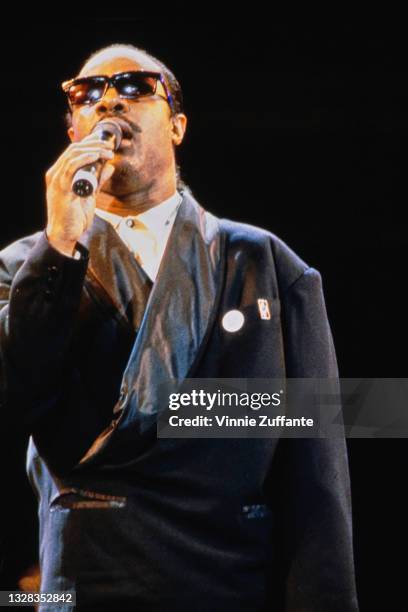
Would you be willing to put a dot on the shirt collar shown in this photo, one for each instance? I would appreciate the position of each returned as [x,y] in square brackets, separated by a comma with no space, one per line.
[155,218]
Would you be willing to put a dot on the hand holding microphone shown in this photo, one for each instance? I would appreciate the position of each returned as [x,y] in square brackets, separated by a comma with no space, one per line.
[86,178]
[69,214]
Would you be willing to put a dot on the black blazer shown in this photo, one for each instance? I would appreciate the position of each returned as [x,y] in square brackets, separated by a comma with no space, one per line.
[173,524]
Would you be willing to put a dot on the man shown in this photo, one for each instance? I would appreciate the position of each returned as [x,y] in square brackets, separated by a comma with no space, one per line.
[121,293]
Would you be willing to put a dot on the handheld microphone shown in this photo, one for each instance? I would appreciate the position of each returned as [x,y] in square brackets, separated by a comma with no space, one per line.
[86,179]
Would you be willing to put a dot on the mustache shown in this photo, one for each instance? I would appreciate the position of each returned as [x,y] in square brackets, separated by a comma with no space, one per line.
[131,125]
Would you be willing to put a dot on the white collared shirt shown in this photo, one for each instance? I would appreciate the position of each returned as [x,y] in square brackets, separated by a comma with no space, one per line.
[146,234]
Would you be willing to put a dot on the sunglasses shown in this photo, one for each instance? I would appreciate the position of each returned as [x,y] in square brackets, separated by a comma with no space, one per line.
[132,85]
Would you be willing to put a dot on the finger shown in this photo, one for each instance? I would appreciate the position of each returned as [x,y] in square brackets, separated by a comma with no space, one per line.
[95,137]
[73,164]
[89,149]
[49,174]
[106,173]
[94,142]
[66,175]
[97,145]
[88,208]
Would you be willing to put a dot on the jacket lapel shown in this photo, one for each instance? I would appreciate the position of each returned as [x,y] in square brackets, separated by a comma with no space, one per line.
[174,329]
[178,315]
[114,278]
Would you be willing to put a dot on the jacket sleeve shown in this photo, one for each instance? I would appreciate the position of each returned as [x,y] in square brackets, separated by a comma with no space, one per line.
[310,475]
[39,300]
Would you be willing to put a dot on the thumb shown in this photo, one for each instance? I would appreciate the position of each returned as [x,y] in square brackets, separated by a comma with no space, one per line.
[106,173]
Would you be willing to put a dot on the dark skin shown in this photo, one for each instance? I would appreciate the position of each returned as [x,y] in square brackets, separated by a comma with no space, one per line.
[137,177]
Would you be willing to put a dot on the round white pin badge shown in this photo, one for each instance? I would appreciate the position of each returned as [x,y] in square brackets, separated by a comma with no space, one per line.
[233,320]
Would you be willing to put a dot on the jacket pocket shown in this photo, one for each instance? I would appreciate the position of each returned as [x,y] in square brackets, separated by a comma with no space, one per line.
[73,498]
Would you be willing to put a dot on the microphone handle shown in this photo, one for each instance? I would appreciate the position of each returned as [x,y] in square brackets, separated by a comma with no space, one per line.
[86,180]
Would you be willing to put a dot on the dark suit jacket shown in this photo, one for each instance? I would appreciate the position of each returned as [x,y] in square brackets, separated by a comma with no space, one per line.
[164,523]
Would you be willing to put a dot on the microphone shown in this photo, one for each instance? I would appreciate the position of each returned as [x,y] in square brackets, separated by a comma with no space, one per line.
[86,179]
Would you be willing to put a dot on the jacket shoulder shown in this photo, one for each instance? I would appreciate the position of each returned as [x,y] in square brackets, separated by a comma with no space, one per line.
[13,255]
[268,248]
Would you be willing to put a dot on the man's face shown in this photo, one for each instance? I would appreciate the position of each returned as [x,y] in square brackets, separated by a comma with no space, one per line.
[146,154]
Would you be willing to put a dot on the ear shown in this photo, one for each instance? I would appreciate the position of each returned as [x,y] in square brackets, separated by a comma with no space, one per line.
[179,125]
[70,132]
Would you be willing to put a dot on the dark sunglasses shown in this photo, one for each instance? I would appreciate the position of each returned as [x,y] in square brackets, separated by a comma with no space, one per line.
[132,85]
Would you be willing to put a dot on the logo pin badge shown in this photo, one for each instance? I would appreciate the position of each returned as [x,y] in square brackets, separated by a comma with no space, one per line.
[263,308]
[233,320]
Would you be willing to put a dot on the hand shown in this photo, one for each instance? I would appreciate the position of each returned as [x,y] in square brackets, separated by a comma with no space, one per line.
[69,216]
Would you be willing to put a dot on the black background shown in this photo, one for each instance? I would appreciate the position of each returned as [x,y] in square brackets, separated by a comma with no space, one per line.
[297,128]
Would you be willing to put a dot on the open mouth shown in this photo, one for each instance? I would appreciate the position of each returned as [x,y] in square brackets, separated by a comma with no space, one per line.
[127,133]
[126,143]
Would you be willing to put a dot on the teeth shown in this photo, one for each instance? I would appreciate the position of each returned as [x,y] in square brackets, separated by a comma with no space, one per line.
[126,132]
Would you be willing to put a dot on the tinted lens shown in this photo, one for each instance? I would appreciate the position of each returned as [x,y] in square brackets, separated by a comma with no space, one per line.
[134,85]
[86,91]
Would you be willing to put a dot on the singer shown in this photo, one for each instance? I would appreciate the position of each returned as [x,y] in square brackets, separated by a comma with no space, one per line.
[129,287]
